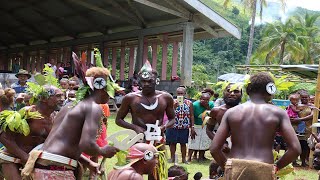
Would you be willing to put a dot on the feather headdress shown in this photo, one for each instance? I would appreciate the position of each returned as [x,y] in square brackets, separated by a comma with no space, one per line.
[81,68]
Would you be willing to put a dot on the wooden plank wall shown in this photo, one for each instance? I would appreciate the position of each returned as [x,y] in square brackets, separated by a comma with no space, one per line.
[117,58]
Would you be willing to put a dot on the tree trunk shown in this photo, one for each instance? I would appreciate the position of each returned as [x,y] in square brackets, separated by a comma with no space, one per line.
[253,17]
[283,43]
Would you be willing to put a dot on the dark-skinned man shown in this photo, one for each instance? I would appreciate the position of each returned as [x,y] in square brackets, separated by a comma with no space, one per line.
[253,126]
[306,115]
[231,97]
[17,144]
[146,106]
[74,131]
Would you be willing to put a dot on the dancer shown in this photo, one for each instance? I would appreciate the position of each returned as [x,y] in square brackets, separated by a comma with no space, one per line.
[146,106]
[75,127]
[253,126]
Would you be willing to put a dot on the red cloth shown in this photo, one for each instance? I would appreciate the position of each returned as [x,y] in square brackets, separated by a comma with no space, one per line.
[101,140]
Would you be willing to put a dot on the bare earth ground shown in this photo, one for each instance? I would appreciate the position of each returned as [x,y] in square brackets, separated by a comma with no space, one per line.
[194,167]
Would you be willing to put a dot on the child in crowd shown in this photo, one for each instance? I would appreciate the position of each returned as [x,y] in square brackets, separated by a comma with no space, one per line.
[71,97]
[293,112]
[64,83]
[176,172]
[215,172]
[135,86]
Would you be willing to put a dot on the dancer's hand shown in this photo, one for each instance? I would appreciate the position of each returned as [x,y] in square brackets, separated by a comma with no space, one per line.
[139,129]
[109,151]
[94,167]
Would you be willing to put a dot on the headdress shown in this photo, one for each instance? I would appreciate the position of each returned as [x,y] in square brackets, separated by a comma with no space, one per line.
[91,83]
[146,72]
[129,155]
[37,89]
[16,121]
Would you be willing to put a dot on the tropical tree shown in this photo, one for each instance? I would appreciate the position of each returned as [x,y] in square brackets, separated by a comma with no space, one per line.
[309,29]
[284,40]
[252,5]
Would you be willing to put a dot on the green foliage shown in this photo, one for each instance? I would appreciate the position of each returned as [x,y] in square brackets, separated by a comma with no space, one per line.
[49,78]
[16,121]
[81,94]
[241,19]
[97,55]
[293,42]
[310,87]
[199,75]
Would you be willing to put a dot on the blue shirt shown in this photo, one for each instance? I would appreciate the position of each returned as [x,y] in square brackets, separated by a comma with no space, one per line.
[18,88]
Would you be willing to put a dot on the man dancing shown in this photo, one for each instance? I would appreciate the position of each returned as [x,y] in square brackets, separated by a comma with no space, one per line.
[253,126]
[146,106]
[231,97]
[75,128]
[19,142]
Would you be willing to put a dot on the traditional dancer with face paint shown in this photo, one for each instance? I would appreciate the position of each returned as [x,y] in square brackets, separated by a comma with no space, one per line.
[29,126]
[231,97]
[146,106]
[75,128]
[142,160]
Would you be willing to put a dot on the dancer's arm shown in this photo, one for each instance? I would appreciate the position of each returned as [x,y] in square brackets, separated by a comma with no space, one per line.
[8,140]
[122,113]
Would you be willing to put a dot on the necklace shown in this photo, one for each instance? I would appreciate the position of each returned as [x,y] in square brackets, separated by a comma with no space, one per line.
[151,106]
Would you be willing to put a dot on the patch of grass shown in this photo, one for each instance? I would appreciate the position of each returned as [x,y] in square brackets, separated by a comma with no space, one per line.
[203,167]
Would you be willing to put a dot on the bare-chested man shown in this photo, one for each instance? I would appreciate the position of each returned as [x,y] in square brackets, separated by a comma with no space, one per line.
[305,115]
[253,126]
[143,160]
[146,106]
[18,145]
[231,99]
[74,131]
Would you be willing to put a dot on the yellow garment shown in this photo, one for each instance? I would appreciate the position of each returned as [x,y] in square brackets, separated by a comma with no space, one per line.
[241,169]
[306,111]
[28,168]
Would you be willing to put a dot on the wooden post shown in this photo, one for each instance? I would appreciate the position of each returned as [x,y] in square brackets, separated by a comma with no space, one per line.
[174,59]
[114,62]
[38,68]
[315,113]
[154,55]
[122,62]
[131,61]
[187,54]
[139,53]
[145,50]
[33,57]
[164,57]
[106,57]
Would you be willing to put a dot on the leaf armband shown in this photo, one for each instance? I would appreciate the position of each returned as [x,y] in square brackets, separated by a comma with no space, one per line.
[16,121]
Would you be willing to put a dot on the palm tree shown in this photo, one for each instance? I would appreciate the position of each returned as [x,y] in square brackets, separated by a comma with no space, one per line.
[283,39]
[307,24]
[252,5]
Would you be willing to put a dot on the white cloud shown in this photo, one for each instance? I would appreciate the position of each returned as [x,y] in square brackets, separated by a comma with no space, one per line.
[307,4]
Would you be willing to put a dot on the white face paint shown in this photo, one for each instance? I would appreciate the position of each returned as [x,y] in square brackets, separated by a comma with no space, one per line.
[271,88]
[99,83]
[148,155]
